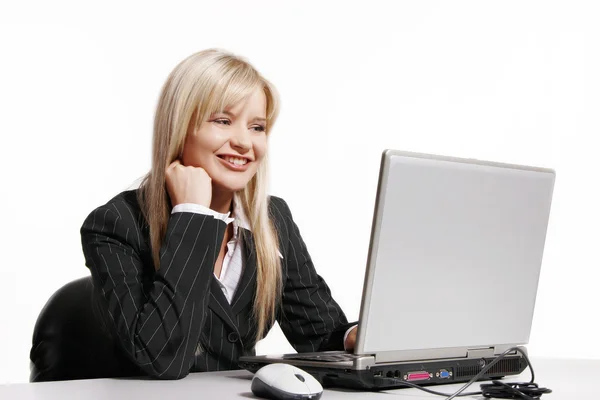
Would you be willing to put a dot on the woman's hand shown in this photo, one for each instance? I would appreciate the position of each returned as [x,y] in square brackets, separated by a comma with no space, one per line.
[350,340]
[188,184]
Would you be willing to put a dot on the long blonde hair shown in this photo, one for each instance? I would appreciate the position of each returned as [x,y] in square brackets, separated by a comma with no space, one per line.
[204,83]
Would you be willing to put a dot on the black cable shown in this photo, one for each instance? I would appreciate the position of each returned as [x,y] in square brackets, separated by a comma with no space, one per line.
[501,390]
[498,390]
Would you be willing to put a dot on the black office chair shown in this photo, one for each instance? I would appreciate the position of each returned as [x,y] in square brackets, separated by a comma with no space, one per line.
[70,340]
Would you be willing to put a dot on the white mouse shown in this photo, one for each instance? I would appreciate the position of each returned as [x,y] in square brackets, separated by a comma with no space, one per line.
[283,382]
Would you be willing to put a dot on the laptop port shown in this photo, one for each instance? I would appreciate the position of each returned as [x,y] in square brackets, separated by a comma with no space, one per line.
[417,376]
[444,374]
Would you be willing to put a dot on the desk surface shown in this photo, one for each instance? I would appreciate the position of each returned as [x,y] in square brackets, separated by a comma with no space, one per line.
[568,379]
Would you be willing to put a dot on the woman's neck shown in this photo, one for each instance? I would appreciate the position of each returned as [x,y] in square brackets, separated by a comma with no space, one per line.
[221,201]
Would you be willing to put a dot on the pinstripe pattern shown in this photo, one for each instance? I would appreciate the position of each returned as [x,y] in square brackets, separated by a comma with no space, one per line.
[232,266]
[177,319]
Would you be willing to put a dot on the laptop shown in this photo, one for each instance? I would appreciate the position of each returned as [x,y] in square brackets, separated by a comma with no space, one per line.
[451,278]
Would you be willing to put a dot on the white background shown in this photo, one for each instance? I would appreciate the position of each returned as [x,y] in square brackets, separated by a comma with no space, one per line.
[510,81]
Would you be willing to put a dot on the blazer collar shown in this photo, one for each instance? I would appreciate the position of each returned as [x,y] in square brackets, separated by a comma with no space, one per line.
[246,288]
[244,294]
[218,303]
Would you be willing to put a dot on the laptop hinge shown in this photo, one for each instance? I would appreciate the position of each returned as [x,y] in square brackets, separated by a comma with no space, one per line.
[437,354]
[489,351]
[480,352]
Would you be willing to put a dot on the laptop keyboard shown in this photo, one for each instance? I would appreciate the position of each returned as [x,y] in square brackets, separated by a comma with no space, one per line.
[327,357]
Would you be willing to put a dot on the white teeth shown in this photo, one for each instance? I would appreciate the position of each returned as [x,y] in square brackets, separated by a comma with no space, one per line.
[236,161]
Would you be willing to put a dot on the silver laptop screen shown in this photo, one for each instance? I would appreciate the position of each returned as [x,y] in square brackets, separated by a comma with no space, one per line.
[455,255]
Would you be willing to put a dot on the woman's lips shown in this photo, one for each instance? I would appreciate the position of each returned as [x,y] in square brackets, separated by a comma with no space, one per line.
[234,167]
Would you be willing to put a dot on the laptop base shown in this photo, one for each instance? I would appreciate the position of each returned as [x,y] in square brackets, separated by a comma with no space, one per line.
[391,375]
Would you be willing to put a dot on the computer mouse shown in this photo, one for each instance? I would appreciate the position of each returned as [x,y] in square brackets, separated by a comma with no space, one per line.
[283,381]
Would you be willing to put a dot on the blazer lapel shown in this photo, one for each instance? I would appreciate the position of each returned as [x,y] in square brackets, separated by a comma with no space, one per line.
[246,288]
[218,303]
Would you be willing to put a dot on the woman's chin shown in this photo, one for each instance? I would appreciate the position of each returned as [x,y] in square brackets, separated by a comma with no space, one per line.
[229,187]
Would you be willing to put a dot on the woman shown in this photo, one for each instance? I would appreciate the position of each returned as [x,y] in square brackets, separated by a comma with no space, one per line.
[194,267]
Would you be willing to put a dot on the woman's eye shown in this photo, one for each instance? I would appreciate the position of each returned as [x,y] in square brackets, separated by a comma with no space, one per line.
[222,121]
[259,128]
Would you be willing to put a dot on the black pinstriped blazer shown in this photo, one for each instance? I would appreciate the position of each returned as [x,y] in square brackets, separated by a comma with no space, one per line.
[177,320]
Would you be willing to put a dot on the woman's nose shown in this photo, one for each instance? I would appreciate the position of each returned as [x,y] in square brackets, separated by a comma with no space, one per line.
[241,139]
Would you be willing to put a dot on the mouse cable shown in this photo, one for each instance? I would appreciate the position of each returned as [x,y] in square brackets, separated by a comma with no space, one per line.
[497,390]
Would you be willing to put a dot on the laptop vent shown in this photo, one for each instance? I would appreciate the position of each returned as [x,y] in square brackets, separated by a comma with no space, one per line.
[502,367]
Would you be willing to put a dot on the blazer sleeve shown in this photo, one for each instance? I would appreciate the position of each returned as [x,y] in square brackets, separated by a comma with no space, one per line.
[309,316]
[159,325]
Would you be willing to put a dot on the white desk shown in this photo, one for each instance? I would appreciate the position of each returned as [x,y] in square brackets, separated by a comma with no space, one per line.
[568,379]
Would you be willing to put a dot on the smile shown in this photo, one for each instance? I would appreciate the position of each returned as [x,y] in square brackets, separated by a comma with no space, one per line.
[234,163]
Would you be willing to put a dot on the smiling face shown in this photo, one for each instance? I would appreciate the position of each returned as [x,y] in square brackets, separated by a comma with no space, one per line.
[230,144]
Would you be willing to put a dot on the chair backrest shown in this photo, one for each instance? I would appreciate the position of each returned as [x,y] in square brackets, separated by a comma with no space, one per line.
[70,340]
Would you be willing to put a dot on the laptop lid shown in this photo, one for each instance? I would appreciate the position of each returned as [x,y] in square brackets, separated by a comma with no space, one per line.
[454,259]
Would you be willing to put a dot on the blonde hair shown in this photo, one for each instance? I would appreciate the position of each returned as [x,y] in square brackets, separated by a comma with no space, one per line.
[204,83]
